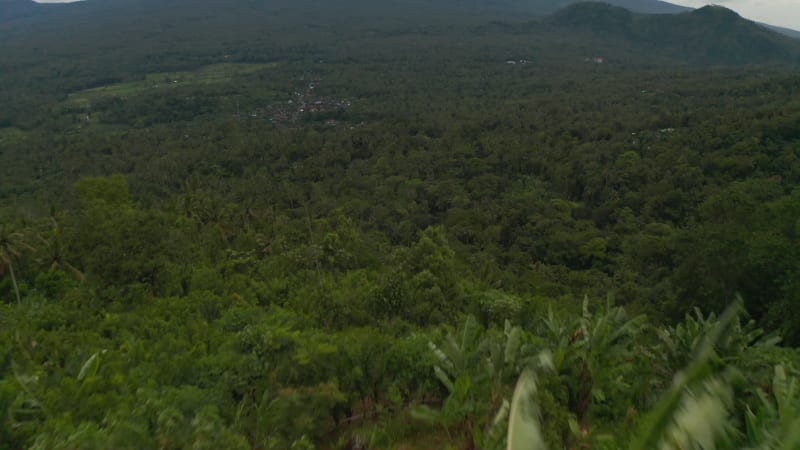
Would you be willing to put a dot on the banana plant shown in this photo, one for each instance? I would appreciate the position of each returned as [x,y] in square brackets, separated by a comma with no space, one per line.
[776,424]
[679,344]
[594,358]
[475,368]
[696,412]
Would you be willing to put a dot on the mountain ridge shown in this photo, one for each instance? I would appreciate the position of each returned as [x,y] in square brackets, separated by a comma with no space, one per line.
[638,6]
[712,34]
[18,9]
[706,36]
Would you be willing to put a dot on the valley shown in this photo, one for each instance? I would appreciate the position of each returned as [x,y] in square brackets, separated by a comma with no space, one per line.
[435,224]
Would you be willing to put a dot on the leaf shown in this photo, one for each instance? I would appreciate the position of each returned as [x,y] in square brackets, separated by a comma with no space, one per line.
[442,376]
[441,356]
[545,360]
[426,413]
[461,387]
[89,367]
[574,427]
[598,395]
[502,414]
[513,344]
[791,438]
[471,334]
[524,432]
[702,419]
[755,433]
[785,392]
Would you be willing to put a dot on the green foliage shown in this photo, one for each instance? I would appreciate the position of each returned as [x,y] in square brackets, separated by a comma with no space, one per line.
[110,192]
[497,306]
[209,432]
[776,422]
[476,369]
[115,243]
[6,398]
[696,412]
[431,274]
[262,228]
[12,246]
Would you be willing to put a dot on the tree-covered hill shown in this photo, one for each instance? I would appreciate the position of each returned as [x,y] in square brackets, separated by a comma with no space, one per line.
[545,7]
[92,44]
[785,31]
[709,35]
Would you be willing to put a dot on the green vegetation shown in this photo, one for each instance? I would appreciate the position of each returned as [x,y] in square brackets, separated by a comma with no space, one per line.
[416,227]
[709,35]
[10,136]
[215,73]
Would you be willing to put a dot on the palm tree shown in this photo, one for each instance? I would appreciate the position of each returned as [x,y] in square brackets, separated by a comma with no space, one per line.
[53,256]
[12,244]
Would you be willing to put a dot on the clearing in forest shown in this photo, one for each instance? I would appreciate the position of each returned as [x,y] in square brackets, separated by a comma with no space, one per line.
[211,74]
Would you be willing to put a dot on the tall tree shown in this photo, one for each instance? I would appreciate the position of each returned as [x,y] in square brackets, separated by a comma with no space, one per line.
[12,245]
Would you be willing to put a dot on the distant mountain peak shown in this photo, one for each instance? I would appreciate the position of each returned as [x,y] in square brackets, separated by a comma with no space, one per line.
[717,11]
[709,35]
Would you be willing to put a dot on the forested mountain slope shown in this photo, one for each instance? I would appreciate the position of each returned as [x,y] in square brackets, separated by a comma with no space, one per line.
[15,9]
[709,35]
[785,31]
[258,225]
[92,45]
[639,6]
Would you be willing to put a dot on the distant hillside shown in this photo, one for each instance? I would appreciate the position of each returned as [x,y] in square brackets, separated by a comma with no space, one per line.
[15,9]
[111,39]
[638,6]
[785,31]
[709,35]
[649,6]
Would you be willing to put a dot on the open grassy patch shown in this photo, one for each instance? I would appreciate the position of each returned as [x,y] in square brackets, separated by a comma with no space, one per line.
[211,74]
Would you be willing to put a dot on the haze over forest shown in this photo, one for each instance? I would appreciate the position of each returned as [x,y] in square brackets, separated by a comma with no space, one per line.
[419,224]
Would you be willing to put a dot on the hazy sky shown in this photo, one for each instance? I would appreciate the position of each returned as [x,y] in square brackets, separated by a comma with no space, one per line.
[785,13]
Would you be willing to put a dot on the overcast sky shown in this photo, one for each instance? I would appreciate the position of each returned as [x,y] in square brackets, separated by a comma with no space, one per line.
[785,13]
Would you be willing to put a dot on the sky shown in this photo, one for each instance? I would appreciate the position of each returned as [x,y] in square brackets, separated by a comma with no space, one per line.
[785,13]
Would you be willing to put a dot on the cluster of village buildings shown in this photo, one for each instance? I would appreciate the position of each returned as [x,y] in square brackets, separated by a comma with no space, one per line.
[302,102]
